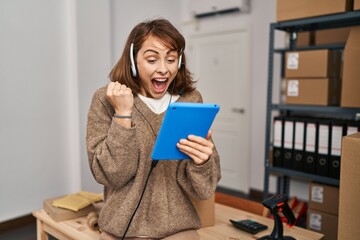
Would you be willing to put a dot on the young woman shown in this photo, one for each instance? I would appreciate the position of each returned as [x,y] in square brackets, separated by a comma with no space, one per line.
[144,200]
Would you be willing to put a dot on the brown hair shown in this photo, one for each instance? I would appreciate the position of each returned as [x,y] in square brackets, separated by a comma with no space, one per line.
[171,37]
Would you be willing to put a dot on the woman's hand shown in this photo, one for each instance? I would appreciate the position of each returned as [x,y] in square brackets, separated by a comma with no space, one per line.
[198,148]
[122,99]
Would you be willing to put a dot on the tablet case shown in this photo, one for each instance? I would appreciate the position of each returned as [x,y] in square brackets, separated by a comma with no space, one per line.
[182,119]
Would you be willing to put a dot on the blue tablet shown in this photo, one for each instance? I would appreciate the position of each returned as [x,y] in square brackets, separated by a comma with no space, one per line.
[182,119]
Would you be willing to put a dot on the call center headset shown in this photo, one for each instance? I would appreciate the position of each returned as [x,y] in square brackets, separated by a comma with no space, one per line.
[132,60]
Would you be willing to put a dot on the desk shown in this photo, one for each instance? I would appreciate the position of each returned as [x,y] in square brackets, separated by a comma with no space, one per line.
[223,230]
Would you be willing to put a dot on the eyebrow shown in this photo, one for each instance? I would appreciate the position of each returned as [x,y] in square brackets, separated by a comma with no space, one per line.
[151,50]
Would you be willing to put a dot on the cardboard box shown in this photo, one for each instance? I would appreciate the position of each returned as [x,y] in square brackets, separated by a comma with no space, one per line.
[318,91]
[60,214]
[332,36]
[350,96]
[304,39]
[295,9]
[356,4]
[324,198]
[206,211]
[349,208]
[312,64]
[324,223]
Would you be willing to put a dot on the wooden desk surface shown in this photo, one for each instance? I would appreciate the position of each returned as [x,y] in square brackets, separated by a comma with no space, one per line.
[78,229]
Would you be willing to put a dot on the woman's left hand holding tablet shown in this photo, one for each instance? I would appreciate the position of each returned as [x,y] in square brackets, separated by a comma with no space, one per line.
[122,100]
[198,148]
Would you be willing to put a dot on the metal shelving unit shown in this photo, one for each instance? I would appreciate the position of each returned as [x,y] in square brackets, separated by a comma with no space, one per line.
[293,27]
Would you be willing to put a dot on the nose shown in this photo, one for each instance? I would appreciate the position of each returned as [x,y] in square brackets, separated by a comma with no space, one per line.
[162,68]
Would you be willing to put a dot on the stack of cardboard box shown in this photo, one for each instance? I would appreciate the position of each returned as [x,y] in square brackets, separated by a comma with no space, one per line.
[339,91]
[322,215]
[313,77]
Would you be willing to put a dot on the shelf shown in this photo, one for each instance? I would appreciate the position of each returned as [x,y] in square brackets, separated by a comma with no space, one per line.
[339,46]
[331,21]
[304,176]
[316,109]
[322,22]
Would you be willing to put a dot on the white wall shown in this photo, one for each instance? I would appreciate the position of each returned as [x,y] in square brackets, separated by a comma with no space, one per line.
[94,64]
[36,102]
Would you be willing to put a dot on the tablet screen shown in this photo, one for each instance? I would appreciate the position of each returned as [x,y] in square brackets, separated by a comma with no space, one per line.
[182,119]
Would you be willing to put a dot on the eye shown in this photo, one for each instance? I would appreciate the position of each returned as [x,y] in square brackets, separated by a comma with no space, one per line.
[151,60]
[170,60]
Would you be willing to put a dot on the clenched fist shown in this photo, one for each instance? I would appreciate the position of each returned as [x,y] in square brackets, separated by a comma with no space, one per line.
[121,98]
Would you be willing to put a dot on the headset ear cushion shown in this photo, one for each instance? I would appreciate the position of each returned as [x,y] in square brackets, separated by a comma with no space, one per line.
[180,60]
[133,67]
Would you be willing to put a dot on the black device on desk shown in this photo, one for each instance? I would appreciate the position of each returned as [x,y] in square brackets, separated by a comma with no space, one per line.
[249,225]
[276,204]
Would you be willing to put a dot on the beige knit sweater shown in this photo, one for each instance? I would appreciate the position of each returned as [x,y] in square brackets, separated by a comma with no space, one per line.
[120,159]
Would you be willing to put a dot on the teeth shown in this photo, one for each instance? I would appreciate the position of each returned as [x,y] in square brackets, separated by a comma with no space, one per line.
[160,79]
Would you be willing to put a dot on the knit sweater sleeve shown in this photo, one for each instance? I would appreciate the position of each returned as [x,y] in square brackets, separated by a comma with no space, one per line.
[112,153]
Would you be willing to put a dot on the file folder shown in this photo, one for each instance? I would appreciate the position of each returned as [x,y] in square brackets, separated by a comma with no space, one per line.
[352,127]
[299,144]
[337,132]
[278,141]
[311,132]
[323,148]
[288,145]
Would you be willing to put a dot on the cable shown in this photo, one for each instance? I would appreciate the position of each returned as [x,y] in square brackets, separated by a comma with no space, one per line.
[153,165]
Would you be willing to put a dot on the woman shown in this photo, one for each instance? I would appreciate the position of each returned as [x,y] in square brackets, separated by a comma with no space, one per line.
[141,200]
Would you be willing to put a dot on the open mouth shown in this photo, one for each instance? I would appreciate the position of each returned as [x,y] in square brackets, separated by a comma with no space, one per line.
[159,84]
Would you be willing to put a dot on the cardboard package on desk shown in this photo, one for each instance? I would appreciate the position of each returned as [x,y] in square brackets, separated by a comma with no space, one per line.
[61,214]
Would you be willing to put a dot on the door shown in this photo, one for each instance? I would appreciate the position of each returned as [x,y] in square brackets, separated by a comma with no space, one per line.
[220,63]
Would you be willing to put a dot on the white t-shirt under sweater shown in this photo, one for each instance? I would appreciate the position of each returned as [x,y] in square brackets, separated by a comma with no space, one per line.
[159,105]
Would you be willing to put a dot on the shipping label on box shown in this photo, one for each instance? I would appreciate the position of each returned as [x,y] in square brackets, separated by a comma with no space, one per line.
[317,194]
[292,61]
[293,88]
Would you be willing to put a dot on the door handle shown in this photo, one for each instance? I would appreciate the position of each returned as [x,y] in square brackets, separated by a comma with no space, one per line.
[238,110]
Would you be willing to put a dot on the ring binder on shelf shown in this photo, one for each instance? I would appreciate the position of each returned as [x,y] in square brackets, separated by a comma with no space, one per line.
[299,144]
[323,148]
[288,145]
[278,141]
[311,132]
[337,132]
[352,127]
